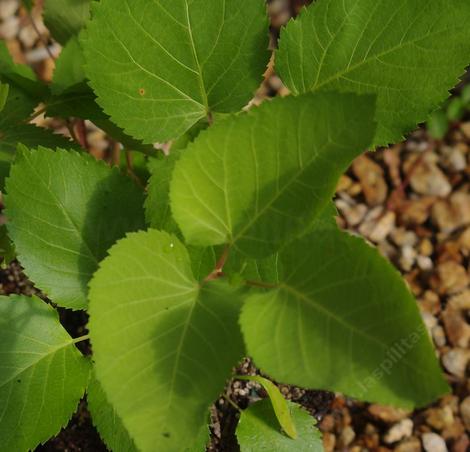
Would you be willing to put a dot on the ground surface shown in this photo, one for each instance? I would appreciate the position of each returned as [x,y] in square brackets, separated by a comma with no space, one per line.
[413,202]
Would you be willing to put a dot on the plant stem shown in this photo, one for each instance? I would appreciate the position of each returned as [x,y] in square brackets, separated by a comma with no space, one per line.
[80,339]
[231,402]
[219,266]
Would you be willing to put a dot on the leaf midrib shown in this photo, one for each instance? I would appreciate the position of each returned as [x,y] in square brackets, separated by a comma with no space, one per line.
[48,354]
[326,312]
[62,209]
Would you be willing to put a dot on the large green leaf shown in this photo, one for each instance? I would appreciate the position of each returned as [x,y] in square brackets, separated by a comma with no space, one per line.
[159,67]
[409,53]
[65,210]
[106,420]
[163,345]
[65,18]
[258,430]
[352,320]
[255,180]
[42,374]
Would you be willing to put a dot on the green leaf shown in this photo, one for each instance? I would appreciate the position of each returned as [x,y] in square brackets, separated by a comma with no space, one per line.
[279,404]
[409,53]
[351,318]
[65,18]
[65,210]
[156,82]
[4,89]
[42,374]
[163,345]
[28,135]
[455,109]
[157,204]
[106,420]
[258,430]
[438,124]
[7,250]
[69,70]
[78,101]
[20,75]
[254,180]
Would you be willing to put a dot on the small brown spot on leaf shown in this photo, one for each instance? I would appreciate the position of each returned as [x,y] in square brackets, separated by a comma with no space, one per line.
[142,91]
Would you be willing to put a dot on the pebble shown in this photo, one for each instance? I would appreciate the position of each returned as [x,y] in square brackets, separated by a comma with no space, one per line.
[9,28]
[8,8]
[458,330]
[439,418]
[353,214]
[399,431]
[347,436]
[408,258]
[456,360]
[371,178]
[428,179]
[465,412]
[453,277]
[432,442]
[439,336]
[377,230]
[388,414]
[411,445]
[452,214]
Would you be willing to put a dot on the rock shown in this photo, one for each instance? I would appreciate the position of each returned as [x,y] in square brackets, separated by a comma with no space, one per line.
[465,412]
[439,336]
[417,211]
[439,418]
[408,258]
[456,360]
[387,414]
[344,183]
[453,277]
[353,214]
[460,301]
[457,328]
[347,436]
[8,8]
[425,247]
[462,444]
[464,242]
[9,28]
[411,445]
[430,302]
[424,263]
[452,214]
[377,225]
[329,442]
[457,160]
[371,178]
[432,442]
[427,178]
[399,431]
[465,128]
[403,237]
